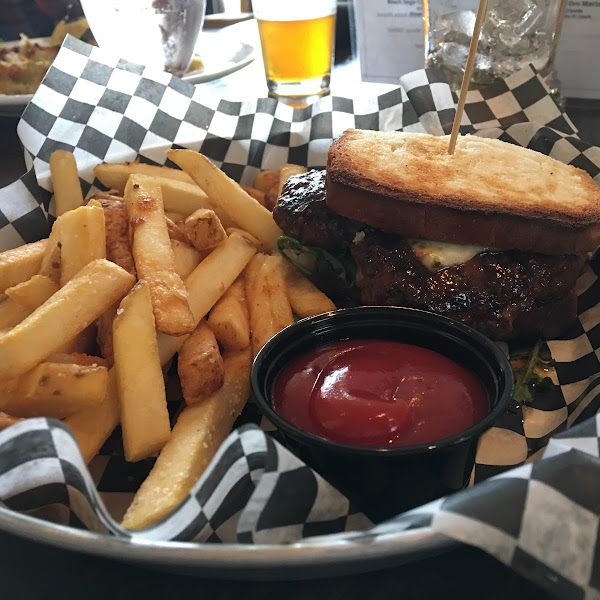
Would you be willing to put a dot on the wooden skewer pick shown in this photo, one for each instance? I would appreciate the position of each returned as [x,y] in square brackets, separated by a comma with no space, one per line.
[464,88]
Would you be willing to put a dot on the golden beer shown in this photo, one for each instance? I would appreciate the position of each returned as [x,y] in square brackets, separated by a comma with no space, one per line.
[295,51]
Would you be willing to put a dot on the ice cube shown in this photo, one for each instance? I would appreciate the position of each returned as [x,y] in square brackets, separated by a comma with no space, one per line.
[450,55]
[450,39]
[451,26]
[510,20]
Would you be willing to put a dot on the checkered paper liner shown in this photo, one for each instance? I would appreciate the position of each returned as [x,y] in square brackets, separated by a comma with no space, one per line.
[539,515]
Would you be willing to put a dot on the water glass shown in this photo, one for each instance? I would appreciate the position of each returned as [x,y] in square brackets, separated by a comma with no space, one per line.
[297,41]
[158,33]
[515,33]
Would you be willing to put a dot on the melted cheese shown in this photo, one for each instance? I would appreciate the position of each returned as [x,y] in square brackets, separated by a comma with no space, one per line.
[439,255]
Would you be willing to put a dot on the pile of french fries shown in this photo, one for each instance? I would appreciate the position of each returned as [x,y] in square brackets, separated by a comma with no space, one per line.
[168,262]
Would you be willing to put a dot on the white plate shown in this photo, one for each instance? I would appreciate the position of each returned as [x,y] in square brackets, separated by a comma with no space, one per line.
[13,106]
[222,52]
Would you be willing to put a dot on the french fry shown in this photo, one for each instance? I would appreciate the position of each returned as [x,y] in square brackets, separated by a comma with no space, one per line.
[208,282]
[204,229]
[142,397]
[12,313]
[243,233]
[196,437]
[305,298]
[23,298]
[229,318]
[115,176]
[111,196]
[64,315]
[176,232]
[259,312]
[65,181]
[256,194]
[8,420]
[116,228]
[185,198]
[82,239]
[251,272]
[280,305]
[92,426]
[77,358]
[285,172]
[200,365]
[50,266]
[271,198]
[233,200]
[54,390]
[182,199]
[268,305]
[65,358]
[33,292]
[174,216]
[20,264]
[267,179]
[186,258]
[154,260]
[268,182]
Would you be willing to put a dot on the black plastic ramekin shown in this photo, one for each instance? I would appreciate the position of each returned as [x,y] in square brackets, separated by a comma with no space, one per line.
[384,482]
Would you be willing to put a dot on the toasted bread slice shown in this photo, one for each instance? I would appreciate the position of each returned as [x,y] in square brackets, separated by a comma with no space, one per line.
[488,193]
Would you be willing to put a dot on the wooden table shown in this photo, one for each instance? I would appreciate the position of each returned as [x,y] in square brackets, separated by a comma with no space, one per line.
[32,570]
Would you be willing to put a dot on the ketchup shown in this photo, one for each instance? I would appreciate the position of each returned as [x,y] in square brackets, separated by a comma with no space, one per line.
[378,393]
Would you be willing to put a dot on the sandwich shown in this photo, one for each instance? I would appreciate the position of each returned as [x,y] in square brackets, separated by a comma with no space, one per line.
[494,235]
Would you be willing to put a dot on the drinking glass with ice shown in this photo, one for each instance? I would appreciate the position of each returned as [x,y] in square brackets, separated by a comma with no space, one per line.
[515,33]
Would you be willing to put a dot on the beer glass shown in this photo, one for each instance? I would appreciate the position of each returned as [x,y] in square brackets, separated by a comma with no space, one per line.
[158,33]
[297,40]
[515,33]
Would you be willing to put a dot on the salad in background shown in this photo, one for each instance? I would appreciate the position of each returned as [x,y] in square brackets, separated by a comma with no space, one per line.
[24,64]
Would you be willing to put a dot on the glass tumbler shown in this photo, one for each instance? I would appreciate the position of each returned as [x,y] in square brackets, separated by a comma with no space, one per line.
[297,41]
[515,33]
[158,33]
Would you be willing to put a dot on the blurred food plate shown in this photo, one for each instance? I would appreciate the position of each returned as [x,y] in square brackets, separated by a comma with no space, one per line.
[220,53]
[29,63]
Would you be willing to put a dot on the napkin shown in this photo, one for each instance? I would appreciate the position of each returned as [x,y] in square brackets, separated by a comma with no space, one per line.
[539,517]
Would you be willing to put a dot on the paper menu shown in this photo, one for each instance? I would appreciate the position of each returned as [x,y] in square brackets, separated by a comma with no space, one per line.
[389,38]
[578,47]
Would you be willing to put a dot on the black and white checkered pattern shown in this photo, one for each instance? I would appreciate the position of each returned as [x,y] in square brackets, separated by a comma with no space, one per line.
[542,519]
[523,432]
[254,490]
[539,516]
[42,467]
[23,212]
[536,518]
